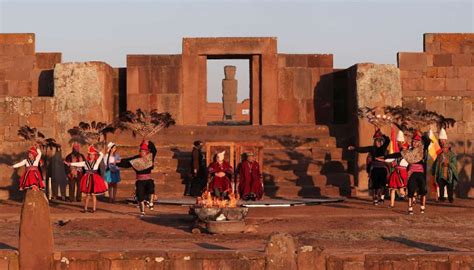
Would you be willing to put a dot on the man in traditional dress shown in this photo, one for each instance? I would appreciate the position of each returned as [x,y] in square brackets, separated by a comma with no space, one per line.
[198,164]
[142,164]
[220,173]
[250,178]
[416,158]
[444,168]
[74,174]
[378,168]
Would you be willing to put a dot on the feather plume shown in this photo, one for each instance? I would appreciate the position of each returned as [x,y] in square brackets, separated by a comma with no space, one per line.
[95,132]
[144,123]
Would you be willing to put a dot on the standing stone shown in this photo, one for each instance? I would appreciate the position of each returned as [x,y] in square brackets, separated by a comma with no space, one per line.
[229,93]
[375,86]
[280,252]
[36,232]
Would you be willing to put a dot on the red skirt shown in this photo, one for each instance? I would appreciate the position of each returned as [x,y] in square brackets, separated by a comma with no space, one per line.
[31,177]
[92,183]
[398,178]
[220,183]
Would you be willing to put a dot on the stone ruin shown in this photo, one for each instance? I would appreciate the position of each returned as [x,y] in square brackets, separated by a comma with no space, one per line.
[286,91]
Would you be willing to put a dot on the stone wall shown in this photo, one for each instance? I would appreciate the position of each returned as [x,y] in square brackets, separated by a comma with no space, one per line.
[307,258]
[441,78]
[215,111]
[154,82]
[305,88]
[22,71]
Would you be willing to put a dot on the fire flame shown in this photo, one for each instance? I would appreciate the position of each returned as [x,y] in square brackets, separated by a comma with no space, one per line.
[208,201]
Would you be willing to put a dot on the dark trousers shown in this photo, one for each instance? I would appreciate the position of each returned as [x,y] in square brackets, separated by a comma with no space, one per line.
[450,186]
[74,187]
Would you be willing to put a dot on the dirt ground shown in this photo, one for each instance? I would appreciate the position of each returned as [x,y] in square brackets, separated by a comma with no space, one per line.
[353,225]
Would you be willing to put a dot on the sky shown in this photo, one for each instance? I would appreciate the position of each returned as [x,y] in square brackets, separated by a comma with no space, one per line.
[353,31]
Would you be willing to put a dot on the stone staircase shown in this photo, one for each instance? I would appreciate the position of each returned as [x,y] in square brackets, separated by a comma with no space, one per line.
[299,161]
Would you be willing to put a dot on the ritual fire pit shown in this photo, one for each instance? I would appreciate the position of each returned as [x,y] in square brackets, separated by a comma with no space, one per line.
[218,216]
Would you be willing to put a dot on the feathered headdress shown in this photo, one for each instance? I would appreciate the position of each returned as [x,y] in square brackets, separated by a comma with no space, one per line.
[92,133]
[144,123]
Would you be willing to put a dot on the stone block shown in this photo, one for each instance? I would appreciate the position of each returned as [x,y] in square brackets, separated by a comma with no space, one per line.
[320,60]
[412,84]
[412,61]
[281,61]
[138,60]
[285,83]
[288,111]
[302,83]
[431,72]
[450,47]
[442,60]
[470,84]
[3,88]
[462,59]
[37,105]
[445,72]
[144,86]
[456,84]
[133,84]
[467,46]
[411,74]
[281,252]
[433,47]
[466,110]
[296,60]
[35,120]
[47,60]
[453,109]
[431,84]
[437,105]
[465,72]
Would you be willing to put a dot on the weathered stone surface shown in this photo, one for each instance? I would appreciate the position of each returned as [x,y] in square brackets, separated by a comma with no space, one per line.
[375,86]
[36,233]
[81,93]
[281,252]
[229,93]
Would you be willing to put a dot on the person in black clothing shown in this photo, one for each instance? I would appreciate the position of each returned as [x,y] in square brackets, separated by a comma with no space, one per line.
[74,174]
[378,170]
[142,164]
[416,157]
[198,164]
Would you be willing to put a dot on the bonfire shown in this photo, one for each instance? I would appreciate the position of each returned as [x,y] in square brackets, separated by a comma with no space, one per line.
[206,200]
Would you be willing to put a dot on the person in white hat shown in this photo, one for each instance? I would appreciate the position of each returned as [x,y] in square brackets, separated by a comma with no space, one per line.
[445,168]
[220,172]
[399,175]
[112,171]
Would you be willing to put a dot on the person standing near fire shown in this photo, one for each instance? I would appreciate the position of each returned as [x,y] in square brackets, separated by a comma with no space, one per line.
[198,171]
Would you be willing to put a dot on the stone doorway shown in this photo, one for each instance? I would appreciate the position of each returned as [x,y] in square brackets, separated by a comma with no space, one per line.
[262,55]
[228,92]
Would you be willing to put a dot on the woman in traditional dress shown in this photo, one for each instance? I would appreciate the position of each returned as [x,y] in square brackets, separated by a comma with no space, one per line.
[32,177]
[220,172]
[399,175]
[112,171]
[92,183]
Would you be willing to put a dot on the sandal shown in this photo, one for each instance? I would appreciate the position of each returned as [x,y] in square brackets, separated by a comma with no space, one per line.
[410,210]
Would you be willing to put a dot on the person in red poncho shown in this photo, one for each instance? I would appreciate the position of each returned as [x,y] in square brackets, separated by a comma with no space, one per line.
[32,177]
[220,172]
[250,179]
[92,183]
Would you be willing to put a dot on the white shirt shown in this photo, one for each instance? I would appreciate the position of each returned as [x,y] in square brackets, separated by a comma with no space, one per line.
[84,165]
[27,164]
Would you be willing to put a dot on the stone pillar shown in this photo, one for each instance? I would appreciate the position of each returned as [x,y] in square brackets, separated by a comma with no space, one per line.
[36,233]
[229,93]
[280,252]
[373,85]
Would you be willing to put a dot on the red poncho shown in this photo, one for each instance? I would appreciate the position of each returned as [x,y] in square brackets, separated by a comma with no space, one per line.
[250,179]
[220,183]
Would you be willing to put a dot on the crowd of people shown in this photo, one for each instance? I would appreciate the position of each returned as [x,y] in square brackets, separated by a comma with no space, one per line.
[405,170]
[96,173]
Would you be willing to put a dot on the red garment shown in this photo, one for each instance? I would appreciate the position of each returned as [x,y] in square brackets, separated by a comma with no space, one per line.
[31,177]
[93,183]
[250,179]
[398,178]
[220,183]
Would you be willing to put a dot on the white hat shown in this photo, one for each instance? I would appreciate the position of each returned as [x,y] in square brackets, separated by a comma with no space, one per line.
[442,134]
[400,136]
[110,145]
[220,156]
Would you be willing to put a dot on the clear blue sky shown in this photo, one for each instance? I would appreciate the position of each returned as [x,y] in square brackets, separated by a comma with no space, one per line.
[354,31]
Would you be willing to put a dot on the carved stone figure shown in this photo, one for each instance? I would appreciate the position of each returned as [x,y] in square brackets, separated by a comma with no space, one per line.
[229,93]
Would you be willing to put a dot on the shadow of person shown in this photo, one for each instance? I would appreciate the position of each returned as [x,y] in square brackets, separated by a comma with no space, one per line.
[7,160]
